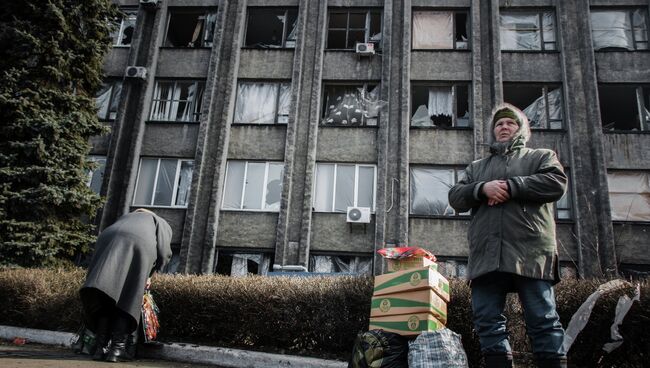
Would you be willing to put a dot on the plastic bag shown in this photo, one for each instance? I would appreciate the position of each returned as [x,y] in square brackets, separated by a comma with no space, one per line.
[150,323]
[379,349]
[437,349]
[405,252]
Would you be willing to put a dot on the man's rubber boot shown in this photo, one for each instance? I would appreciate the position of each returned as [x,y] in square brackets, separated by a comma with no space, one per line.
[501,360]
[551,363]
[101,347]
[118,351]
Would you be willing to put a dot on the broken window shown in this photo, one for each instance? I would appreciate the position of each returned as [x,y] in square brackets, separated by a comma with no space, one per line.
[629,195]
[107,99]
[163,182]
[541,104]
[346,28]
[242,264]
[123,34]
[452,267]
[271,28]
[530,31]
[350,105]
[253,186]
[440,106]
[262,103]
[340,264]
[177,101]
[624,107]
[194,28]
[620,29]
[440,30]
[429,190]
[96,174]
[339,186]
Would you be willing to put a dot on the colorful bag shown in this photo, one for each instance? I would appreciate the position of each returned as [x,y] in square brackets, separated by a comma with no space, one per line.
[150,311]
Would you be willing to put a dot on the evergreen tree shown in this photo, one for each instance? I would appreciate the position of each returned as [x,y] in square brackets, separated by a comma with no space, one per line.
[51,54]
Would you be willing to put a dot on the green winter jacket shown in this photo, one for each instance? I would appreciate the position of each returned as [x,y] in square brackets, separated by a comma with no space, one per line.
[517,236]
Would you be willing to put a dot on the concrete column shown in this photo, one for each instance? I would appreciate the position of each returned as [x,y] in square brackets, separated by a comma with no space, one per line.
[128,129]
[198,247]
[294,221]
[593,226]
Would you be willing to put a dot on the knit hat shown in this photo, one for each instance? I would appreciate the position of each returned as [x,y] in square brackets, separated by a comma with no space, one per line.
[506,110]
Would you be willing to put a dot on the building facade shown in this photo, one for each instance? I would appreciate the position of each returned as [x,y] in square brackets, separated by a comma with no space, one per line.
[255,127]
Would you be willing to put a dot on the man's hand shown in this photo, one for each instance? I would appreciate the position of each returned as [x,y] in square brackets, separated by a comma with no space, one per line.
[496,191]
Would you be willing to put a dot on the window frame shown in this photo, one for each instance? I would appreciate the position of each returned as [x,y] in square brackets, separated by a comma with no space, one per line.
[285,28]
[455,12]
[197,83]
[179,164]
[202,11]
[454,104]
[368,12]
[642,96]
[629,10]
[545,87]
[609,195]
[353,84]
[539,12]
[264,267]
[458,171]
[243,189]
[355,201]
[278,84]
[128,13]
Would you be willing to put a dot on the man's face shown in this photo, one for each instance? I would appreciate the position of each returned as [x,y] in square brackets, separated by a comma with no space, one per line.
[505,129]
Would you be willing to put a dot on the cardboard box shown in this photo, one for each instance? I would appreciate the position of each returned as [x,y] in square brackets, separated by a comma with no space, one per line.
[410,302]
[394,265]
[411,280]
[406,324]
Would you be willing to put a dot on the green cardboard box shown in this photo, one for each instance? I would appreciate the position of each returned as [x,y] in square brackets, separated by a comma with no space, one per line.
[410,302]
[406,324]
[411,280]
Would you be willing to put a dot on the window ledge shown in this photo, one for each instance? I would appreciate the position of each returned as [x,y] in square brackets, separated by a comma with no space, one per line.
[623,223]
[170,122]
[121,46]
[564,221]
[610,50]
[158,206]
[185,48]
[268,48]
[626,131]
[347,126]
[436,50]
[438,217]
[249,210]
[264,125]
[440,128]
[531,51]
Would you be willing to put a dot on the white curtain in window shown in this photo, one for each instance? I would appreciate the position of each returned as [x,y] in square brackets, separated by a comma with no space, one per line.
[433,30]
[234,184]
[440,101]
[548,26]
[210,22]
[256,103]
[165,185]
[520,32]
[115,99]
[324,187]
[344,196]
[239,265]
[366,186]
[162,106]
[323,264]
[102,100]
[184,183]
[253,187]
[364,265]
[611,29]
[273,187]
[629,195]
[429,191]
[146,180]
[285,100]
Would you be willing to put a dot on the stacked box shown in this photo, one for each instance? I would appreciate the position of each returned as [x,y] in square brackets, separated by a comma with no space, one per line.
[394,265]
[411,301]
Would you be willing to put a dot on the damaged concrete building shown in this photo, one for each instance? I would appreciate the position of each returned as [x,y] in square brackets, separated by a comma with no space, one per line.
[306,134]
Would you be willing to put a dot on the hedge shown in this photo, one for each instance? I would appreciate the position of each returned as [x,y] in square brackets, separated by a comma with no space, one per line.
[314,316]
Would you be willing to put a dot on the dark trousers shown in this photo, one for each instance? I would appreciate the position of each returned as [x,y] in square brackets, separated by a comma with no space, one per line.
[537,298]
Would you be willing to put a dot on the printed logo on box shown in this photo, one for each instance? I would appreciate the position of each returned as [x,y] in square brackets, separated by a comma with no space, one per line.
[415,279]
[413,323]
[384,305]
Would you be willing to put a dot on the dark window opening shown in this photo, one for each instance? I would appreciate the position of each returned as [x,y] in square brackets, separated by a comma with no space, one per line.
[240,264]
[461,30]
[619,109]
[191,29]
[350,105]
[440,106]
[271,28]
[541,104]
[347,28]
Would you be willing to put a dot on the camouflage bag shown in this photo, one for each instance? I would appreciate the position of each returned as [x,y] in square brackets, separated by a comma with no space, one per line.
[379,349]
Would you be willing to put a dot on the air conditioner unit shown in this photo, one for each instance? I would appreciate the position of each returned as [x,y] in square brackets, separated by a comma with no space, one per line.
[149,3]
[136,72]
[367,48]
[359,215]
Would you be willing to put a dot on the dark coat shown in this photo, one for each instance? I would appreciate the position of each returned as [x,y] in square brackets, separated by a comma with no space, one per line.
[126,254]
[516,236]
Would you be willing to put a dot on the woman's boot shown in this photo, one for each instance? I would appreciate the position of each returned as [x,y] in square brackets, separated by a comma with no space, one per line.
[101,338]
[118,351]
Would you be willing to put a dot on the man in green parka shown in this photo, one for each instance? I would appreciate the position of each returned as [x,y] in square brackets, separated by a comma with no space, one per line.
[512,245]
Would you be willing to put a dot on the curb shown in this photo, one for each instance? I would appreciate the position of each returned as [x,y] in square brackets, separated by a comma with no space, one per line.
[225,357]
